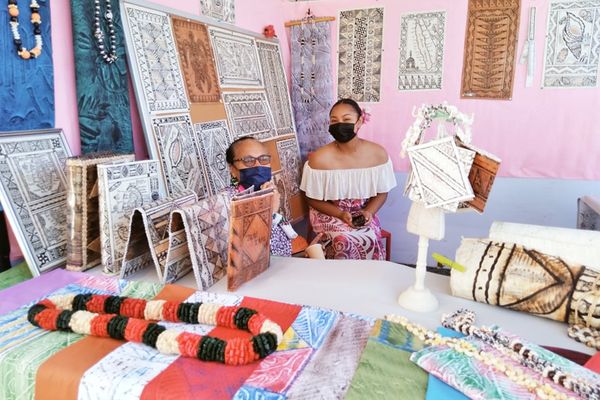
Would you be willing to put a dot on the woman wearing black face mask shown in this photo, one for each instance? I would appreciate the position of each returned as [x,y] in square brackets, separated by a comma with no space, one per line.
[346,182]
[250,165]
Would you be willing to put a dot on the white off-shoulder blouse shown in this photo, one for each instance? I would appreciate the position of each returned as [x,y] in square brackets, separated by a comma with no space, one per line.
[354,183]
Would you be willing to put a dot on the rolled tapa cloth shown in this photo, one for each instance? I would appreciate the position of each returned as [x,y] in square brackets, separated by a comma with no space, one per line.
[515,277]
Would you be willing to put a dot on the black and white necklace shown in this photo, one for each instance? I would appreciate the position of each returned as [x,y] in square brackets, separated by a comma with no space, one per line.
[108,53]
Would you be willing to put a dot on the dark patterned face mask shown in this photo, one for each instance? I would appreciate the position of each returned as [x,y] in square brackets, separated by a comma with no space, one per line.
[342,132]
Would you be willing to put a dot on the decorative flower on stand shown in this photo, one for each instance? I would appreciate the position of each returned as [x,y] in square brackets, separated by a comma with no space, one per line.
[366,114]
[269,31]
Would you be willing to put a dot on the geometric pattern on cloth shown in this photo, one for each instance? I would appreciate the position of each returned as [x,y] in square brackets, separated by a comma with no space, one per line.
[290,164]
[360,53]
[438,172]
[421,50]
[249,114]
[554,289]
[102,88]
[27,95]
[490,49]
[155,56]
[222,10]
[197,61]
[83,246]
[122,188]
[313,324]
[311,84]
[572,57]
[276,86]
[33,191]
[213,139]
[198,241]
[237,59]
[248,251]
[175,146]
[148,238]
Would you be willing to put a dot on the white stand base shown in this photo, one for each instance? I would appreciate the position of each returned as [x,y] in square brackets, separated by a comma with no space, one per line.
[418,300]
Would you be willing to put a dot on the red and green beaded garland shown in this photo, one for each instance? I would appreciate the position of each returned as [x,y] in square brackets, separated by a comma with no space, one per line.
[125,318]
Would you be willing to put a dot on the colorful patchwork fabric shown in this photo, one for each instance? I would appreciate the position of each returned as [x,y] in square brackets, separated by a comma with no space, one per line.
[385,370]
[317,357]
[478,381]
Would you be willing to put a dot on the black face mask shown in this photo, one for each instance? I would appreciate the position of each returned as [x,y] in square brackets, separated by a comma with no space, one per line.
[342,132]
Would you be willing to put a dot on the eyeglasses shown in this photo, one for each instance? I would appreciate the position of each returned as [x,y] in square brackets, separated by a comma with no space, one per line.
[250,161]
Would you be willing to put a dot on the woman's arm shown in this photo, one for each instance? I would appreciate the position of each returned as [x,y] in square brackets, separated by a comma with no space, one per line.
[330,209]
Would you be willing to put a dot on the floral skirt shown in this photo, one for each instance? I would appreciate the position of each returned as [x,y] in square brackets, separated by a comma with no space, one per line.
[346,242]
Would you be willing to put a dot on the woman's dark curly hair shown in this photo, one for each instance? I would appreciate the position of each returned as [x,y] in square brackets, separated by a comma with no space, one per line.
[229,153]
[349,102]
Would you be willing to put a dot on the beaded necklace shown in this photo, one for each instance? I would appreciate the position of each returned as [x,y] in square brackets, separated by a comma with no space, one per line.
[542,390]
[125,318]
[463,320]
[110,56]
[36,21]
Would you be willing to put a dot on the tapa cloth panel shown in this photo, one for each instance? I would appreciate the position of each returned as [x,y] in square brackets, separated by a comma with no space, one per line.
[490,49]
[249,249]
[33,192]
[572,56]
[521,279]
[69,366]
[148,238]
[198,241]
[311,84]
[421,50]
[360,48]
[83,217]
[197,61]
[123,188]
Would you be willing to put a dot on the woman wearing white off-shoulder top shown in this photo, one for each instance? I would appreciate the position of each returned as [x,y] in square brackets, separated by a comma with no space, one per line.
[346,182]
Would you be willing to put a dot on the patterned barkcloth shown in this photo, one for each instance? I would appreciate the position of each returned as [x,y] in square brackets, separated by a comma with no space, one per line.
[324,354]
[317,358]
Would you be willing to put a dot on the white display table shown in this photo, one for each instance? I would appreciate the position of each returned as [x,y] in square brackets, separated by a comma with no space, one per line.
[371,288]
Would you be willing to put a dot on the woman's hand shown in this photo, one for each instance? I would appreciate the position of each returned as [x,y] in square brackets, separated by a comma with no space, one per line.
[276,196]
[368,216]
[346,217]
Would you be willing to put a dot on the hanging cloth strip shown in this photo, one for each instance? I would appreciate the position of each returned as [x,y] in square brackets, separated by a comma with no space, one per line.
[125,318]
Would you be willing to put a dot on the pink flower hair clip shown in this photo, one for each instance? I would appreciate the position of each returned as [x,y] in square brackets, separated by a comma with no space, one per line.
[366,114]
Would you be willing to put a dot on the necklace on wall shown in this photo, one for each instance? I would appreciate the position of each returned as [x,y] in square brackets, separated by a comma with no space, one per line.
[36,21]
[108,53]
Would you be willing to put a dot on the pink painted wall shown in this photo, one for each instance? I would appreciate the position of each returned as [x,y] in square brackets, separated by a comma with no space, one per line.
[540,133]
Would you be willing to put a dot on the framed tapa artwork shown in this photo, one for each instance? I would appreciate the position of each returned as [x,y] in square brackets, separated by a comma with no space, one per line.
[33,192]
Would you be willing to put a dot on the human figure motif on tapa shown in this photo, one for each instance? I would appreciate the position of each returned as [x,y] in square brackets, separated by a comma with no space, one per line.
[511,276]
